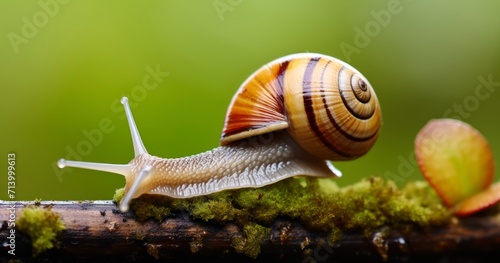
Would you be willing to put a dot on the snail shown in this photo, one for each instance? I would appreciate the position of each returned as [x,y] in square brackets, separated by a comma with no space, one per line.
[289,118]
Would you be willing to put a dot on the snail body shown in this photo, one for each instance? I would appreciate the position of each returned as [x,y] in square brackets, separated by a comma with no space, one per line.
[289,118]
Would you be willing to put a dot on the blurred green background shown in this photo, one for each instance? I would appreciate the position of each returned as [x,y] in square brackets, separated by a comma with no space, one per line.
[64,66]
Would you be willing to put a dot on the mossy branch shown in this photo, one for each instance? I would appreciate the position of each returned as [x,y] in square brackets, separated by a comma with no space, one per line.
[291,221]
[97,231]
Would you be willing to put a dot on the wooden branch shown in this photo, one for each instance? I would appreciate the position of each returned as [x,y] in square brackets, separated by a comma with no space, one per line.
[98,232]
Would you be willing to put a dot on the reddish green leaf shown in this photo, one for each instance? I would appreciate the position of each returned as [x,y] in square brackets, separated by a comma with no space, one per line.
[455,159]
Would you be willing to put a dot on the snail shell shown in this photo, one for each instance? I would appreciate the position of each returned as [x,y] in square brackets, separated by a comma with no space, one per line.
[286,119]
[327,106]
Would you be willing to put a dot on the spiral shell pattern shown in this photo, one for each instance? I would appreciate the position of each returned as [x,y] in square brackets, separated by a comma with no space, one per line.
[327,106]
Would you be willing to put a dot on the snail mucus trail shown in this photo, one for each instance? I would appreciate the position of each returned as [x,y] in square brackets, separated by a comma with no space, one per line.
[290,118]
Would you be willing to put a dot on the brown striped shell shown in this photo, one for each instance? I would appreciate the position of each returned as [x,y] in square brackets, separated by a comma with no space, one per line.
[327,106]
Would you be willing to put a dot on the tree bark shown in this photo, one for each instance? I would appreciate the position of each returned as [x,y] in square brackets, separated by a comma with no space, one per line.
[98,232]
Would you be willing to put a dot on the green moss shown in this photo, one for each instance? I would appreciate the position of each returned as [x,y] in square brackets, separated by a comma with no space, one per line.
[318,203]
[335,235]
[253,237]
[42,225]
[119,193]
[156,207]
[218,210]
[38,201]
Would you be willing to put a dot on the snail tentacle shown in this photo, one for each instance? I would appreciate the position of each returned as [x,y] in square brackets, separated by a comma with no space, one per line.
[123,169]
[134,132]
[143,174]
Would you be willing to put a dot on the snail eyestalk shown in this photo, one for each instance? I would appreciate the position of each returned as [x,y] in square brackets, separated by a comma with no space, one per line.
[134,132]
[123,169]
